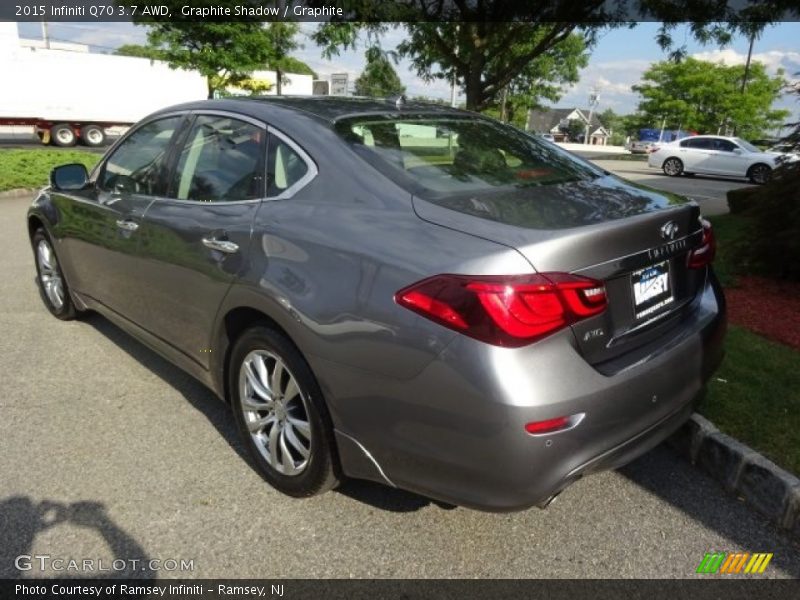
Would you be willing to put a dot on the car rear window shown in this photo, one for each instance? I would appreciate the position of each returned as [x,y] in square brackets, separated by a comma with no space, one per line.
[442,156]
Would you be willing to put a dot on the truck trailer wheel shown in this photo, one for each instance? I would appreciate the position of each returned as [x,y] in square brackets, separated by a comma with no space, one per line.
[93,135]
[63,135]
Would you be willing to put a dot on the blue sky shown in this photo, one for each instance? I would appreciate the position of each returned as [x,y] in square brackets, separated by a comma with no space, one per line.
[616,62]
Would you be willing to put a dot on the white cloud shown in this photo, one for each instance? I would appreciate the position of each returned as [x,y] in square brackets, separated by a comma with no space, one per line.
[613,79]
[789,61]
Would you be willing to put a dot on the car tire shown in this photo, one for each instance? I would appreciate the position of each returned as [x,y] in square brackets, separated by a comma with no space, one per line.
[672,167]
[50,279]
[63,135]
[93,136]
[281,414]
[759,174]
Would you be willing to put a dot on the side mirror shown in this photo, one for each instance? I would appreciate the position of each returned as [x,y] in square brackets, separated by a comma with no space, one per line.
[69,177]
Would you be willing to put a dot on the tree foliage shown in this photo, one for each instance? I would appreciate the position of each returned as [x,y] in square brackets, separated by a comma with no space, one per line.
[487,45]
[707,98]
[378,79]
[139,51]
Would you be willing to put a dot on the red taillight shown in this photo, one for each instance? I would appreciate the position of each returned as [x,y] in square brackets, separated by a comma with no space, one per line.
[704,254]
[509,311]
[548,425]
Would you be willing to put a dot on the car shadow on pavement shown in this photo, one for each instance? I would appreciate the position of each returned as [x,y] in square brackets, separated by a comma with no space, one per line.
[218,414]
[196,394]
[665,474]
[22,519]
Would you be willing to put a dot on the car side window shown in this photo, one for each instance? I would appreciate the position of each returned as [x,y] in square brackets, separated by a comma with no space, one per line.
[137,165]
[701,144]
[285,167]
[221,160]
[724,145]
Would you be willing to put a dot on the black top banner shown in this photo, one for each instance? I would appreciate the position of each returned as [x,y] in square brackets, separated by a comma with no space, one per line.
[584,11]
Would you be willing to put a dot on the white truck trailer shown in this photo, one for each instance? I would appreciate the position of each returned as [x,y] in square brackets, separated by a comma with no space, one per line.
[66,97]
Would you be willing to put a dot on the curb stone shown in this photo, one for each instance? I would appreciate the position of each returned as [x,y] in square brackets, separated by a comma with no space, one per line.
[770,490]
[18,192]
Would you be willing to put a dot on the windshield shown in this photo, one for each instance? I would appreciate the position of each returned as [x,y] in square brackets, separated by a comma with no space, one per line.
[746,145]
[440,156]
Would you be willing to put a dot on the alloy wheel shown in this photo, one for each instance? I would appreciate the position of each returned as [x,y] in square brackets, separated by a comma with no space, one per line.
[760,174]
[50,275]
[672,167]
[275,412]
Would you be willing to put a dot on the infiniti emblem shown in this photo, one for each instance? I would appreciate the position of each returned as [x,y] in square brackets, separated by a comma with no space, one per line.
[669,230]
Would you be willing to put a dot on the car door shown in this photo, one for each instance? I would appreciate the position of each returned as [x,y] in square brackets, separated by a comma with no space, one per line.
[194,241]
[100,225]
[696,155]
[728,158]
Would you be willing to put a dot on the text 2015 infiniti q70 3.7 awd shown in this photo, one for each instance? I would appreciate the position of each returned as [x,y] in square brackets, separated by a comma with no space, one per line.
[399,292]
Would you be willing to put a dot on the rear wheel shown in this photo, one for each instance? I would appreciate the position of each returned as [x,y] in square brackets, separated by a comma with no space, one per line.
[672,167]
[63,135]
[50,279]
[93,135]
[280,413]
[759,174]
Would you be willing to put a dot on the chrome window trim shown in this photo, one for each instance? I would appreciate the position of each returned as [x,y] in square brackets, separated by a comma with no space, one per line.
[312,172]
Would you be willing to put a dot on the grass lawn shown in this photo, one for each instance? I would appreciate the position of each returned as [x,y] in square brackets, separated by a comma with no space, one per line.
[30,168]
[755,396]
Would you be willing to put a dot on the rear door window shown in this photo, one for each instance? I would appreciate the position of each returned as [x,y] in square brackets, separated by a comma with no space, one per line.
[286,167]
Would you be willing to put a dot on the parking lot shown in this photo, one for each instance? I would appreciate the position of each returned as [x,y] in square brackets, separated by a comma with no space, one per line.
[109,452]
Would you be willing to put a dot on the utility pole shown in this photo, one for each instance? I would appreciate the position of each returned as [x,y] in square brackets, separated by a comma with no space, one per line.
[45,35]
[594,99]
[747,64]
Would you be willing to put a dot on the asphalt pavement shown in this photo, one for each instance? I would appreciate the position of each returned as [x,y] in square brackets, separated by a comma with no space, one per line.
[109,452]
[709,192]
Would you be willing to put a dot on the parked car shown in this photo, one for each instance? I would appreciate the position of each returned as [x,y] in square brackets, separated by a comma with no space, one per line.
[785,153]
[713,155]
[639,147]
[405,293]
[547,136]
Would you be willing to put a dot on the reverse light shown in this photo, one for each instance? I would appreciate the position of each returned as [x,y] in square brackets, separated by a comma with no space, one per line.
[509,311]
[704,254]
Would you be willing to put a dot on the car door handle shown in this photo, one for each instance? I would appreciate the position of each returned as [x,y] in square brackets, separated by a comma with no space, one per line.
[127,224]
[225,246]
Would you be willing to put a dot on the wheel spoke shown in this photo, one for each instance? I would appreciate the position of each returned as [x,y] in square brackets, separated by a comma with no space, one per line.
[302,426]
[277,374]
[257,425]
[286,457]
[261,370]
[291,390]
[294,440]
[255,381]
[255,404]
[273,446]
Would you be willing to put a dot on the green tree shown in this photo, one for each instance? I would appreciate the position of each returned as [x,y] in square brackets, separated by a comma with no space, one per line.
[281,43]
[378,79]
[542,78]
[139,51]
[707,97]
[225,53]
[484,46]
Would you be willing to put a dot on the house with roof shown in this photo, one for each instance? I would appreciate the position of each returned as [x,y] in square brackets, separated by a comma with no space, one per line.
[555,121]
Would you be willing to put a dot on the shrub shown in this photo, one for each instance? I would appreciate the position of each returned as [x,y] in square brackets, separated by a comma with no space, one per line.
[770,245]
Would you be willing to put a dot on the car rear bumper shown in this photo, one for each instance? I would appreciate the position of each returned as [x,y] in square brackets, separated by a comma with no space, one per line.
[456,431]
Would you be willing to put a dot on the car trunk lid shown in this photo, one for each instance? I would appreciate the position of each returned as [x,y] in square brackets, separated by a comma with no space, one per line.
[633,239]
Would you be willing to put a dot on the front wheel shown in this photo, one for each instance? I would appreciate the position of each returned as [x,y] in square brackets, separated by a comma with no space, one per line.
[281,415]
[759,174]
[672,167]
[50,279]
[93,136]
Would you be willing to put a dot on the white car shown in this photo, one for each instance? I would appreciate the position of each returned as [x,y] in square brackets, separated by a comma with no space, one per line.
[713,155]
